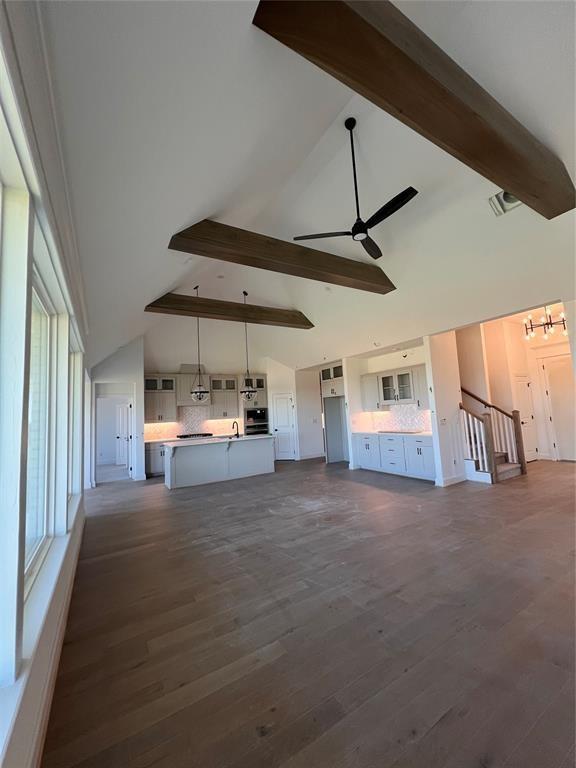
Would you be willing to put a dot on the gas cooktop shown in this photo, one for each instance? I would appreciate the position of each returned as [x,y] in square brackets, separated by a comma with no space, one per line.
[195,434]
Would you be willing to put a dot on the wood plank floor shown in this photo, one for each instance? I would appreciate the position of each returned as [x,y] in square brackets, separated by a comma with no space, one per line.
[322,618]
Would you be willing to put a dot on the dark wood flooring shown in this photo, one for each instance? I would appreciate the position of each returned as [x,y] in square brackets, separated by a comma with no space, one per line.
[322,618]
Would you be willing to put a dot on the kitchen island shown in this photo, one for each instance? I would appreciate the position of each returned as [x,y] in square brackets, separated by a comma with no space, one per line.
[213,459]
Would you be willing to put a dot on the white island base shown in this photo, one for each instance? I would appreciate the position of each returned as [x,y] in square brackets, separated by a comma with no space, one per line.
[213,459]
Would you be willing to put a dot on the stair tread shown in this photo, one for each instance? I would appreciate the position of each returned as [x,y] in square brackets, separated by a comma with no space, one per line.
[507,466]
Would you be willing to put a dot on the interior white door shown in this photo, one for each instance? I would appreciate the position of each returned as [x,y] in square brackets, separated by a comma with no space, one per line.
[284,440]
[562,395]
[122,435]
[524,403]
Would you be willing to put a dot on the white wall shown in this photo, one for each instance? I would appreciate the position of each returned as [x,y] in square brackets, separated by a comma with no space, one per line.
[126,367]
[444,379]
[472,360]
[497,363]
[309,414]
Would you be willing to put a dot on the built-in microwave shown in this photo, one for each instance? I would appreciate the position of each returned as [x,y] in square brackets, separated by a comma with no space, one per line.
[256,421]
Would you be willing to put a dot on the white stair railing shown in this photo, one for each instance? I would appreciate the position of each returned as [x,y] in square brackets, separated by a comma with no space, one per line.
[505,432]
[474,435]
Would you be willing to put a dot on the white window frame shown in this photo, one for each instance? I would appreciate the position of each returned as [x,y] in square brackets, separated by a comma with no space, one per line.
[34,564]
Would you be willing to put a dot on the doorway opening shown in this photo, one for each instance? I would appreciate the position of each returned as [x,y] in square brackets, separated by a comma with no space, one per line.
[336,429]
[523,364]
[113,438]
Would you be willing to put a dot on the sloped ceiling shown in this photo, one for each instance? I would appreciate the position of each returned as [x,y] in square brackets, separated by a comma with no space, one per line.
[172,112]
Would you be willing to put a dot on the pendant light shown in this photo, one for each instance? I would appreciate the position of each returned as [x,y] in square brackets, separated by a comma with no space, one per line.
[248,392]
[198,393]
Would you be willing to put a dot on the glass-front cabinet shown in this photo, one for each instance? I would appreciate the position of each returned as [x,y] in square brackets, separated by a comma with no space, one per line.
[397,387]
[159,383]
[388,389]
[405,390]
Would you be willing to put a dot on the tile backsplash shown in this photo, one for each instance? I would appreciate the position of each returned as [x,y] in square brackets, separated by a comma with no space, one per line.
[399,418]
[193,419]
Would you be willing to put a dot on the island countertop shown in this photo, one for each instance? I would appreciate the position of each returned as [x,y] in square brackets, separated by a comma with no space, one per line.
[214,439]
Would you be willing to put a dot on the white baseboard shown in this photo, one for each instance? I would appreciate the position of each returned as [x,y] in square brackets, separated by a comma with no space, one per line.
[444,482]
[45,617]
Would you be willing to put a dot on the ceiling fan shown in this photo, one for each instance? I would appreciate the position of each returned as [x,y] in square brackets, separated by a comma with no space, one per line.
[359,231]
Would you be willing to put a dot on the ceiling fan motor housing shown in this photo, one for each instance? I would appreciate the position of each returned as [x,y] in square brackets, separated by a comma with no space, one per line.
[359,230]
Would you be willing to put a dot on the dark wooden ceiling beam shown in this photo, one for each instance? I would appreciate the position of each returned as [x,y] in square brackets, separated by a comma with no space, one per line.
[378,52]
[214,309]
[239,246]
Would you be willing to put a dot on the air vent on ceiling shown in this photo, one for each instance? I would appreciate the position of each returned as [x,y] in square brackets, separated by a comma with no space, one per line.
[502,202]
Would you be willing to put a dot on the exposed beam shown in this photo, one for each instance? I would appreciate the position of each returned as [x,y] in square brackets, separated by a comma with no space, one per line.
[378,52]
[239,246]
[194,306]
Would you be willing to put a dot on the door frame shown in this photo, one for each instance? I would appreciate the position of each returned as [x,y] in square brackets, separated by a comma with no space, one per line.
[526,378]
[290,395]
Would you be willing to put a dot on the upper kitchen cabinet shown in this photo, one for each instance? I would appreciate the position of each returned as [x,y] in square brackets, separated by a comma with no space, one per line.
[332,382]
[403,386]
[421,391]
[258,381]
[158,382]
[333,388]
[370,392]
[224,397]
[159,406]
[396,387]
[184,384]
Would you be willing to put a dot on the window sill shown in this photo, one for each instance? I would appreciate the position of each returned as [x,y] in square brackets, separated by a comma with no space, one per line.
[45,611]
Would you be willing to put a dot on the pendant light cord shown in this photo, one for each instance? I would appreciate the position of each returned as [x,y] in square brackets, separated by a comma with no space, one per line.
[246,338]
[198,340]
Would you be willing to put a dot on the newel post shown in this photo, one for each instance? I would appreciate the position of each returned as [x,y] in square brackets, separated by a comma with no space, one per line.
[489,438]
[519,441]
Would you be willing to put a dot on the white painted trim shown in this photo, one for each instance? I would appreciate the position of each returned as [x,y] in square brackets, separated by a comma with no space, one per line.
[15,292]
[453,480]
[25,706]
[60,236]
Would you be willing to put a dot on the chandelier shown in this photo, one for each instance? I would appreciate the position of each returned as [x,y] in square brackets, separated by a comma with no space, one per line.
[198,393]
[248,392]
[547,323]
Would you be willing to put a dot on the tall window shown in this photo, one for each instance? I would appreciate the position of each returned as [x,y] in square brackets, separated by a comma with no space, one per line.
[38,414]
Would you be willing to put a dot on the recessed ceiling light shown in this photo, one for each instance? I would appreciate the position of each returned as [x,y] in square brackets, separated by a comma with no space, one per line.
[502,202]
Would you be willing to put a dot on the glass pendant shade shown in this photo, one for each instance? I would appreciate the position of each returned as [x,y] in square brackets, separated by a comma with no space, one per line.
[199,393]
[248,393]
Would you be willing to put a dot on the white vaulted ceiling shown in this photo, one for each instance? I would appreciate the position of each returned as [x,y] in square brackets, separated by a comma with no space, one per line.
[174,112]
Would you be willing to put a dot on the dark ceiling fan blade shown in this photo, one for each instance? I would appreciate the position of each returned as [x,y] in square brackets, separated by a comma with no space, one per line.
[322,234]
[391,207]
[371,248]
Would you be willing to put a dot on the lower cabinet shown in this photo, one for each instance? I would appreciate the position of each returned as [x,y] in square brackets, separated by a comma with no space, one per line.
[409,455]
[419,457]
[154,459]
[367,451]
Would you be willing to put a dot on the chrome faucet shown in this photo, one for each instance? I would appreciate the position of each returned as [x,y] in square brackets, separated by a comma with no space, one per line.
[237,433]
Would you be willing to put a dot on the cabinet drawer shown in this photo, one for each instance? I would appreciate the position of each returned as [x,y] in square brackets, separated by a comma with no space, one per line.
[424,441]
[394,463]
[389,450]
[391,439]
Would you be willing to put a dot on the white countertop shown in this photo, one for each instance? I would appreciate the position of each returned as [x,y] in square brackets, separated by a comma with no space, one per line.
[215,439]
[392,432]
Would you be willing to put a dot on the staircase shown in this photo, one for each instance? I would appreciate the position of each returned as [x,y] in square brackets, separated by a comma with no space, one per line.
[493,447]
